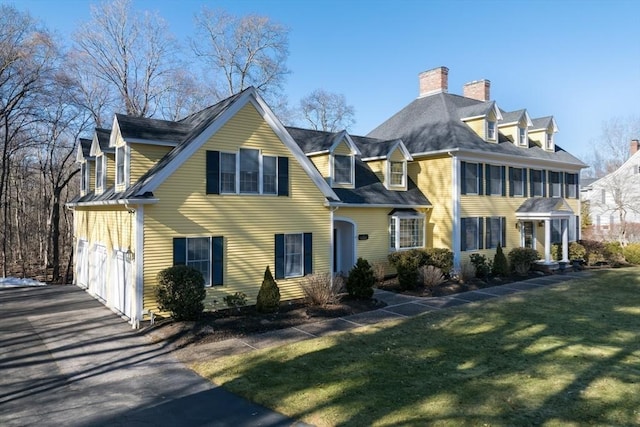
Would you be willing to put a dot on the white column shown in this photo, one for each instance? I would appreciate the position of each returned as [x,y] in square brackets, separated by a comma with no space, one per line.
[564,224]
[547,241]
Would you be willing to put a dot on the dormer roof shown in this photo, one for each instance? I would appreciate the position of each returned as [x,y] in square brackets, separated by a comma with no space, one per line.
[514,117]
[84,150]
[481,109]
[100,142]
[144,130]
[545,123]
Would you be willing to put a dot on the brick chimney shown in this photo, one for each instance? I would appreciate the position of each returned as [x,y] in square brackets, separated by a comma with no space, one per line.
[634,147]
[479,89]
[434,81]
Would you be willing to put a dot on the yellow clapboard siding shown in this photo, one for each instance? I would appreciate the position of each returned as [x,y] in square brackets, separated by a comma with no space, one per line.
[247,222]
[321,163]
[478,126]
[110,166]
[378,167]
[342,149]
[143,157]
[433,176]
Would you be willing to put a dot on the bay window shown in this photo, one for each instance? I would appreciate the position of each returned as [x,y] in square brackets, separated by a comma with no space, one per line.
[406,230]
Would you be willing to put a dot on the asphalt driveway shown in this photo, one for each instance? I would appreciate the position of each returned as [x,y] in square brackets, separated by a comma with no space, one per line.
[66,360]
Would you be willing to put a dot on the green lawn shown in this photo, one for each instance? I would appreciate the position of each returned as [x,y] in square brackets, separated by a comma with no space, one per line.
[565,355]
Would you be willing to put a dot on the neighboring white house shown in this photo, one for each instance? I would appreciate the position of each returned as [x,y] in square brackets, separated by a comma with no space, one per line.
[614,201]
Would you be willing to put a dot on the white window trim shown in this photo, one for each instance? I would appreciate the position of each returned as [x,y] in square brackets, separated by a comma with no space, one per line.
[84,177]
[207,280]
[548,141]
[301,257]
[333,172]
[260,173]
[478,177]
[493,192]
[404,174]
[522,139]
[395,218]
[550,183]
[523,182]
[125,178]
[532,182]
[101,183]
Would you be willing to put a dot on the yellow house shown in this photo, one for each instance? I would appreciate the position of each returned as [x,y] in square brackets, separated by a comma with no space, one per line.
[230,190]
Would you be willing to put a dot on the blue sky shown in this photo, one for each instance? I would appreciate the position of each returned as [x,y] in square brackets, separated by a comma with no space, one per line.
[576,60]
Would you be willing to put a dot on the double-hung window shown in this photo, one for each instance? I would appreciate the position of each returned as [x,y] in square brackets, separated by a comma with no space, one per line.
[198,257]
[205,254]
[491,130]
[471,177]
[227,172]
[549,141]
[471,233]
[571,185]
[342,169]
[120,160]
[495,232]
[555,184]
[249,171]
[537,183]
[84,181]
[100,171]
[495,180]
[406,231]
[522,136]
[397,174]
[293,255]
[517,182]
[269,174]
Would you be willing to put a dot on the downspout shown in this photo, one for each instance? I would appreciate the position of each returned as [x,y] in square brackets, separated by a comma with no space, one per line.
[455,227]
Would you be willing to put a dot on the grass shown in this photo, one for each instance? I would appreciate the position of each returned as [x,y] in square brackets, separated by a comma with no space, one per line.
[560,356]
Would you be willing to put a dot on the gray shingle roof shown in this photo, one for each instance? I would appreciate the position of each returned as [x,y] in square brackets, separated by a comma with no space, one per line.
[511,116]
[85,145]
[103,136]
[152,129]
[544,205]
[433,123]
[312,141]
[542,122]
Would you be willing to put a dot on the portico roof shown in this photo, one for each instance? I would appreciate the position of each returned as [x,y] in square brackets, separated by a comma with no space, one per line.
[539,208]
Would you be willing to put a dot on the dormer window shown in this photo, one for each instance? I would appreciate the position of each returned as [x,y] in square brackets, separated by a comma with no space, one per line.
[342,169]
[491,130]
[120,165]
[84,177]
[522,137]
[549,142]
[397,174]
[100,175]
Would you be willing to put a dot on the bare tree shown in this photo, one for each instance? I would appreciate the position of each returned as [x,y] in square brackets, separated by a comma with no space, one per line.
[611,149]
[327,111]
[27,53]
[133,54]
[242,51]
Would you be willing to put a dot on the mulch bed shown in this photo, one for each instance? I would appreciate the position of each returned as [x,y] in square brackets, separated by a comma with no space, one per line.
[236,323]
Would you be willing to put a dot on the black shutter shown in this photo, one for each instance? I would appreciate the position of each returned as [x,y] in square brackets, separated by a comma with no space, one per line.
[279,261]
[480,232]
[213,172]
[179,251]
[283,176]
[511,192]
[577,184]
[217,260]
[525,186]
[487,233]
[463,234]
[479,178]
[308,253]
[531,186]
[544,183]
[503,223]
[487,175]
[463,177]
[563,180]
[503,175]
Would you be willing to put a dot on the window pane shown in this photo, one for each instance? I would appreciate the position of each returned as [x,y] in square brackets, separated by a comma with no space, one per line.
[293,255]
[495,174]
[249,170]
[554,178]
[392,232]
[494,231]
[471,234]
[536,177]
[471,178]
[491,130]
[227,173]
[518,181]
[269,178]
[119,165]
[198,256]
[342,169]
[397,173]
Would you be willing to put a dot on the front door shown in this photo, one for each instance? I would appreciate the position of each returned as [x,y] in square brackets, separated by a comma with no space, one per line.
[343,246]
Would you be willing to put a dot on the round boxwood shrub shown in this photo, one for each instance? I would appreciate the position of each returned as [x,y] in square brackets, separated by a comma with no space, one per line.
[361,280]
[181,292]
[521,259]
[269,294]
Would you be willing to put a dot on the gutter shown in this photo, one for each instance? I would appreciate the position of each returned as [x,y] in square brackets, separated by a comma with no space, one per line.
[124,202]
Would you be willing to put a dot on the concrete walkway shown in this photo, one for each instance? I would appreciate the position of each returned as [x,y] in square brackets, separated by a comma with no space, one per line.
[398,306]
[66,360]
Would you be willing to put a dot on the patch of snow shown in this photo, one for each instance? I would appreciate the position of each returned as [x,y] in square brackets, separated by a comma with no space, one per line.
[11,282]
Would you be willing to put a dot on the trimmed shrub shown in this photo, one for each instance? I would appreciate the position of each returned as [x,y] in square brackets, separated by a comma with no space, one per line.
[594,251]
[237,300]
[268,300]
[576,251]
[632,253]
[361,280]
[407,264]
[318,290]
[500,266]
[441,258]
[482,266]
[614,253]
[556,251]
[181,292]
[521,260]
[431,276]
[467,271]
